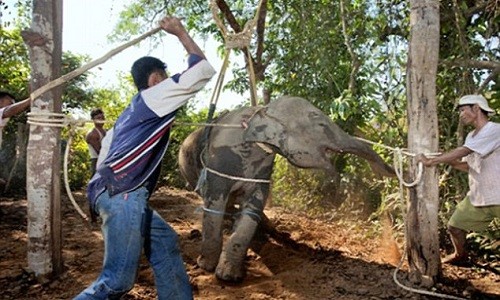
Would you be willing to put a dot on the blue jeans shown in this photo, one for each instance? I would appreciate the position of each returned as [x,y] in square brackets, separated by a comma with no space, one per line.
[128,226]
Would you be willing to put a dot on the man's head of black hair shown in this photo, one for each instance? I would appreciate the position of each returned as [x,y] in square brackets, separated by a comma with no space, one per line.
[96,112]
[143,67]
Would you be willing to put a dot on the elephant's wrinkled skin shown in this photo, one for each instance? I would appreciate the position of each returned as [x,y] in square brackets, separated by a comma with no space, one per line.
[289,126]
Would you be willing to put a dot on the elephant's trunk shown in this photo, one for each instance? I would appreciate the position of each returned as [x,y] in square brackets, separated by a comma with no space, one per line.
[364,150]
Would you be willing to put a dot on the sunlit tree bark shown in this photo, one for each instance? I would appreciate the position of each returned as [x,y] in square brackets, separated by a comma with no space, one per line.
[422,218]
[44,146]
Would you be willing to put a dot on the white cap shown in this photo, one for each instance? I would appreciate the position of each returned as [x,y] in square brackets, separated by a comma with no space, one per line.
[476,99]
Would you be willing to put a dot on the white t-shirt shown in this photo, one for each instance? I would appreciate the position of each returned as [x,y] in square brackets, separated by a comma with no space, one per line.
[3,122]
[105,144]
[484,165]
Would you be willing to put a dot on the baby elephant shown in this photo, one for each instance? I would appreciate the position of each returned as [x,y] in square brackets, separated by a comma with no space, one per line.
[231,164]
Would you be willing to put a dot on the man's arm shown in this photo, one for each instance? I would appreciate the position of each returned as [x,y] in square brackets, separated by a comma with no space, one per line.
[16,108]
[452,158]
[460,165]
[174,26]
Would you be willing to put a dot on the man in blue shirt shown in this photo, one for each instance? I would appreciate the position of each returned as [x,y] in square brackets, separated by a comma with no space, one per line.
[127,172]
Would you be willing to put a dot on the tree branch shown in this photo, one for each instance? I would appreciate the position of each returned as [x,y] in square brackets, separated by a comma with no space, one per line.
[476,64]
[226,11]
[354,57]
[259,65]
[257,62]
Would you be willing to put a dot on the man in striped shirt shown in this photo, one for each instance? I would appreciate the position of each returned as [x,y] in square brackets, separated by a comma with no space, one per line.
[127,172]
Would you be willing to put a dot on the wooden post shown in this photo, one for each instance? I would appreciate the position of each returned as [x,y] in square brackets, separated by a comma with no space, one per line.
[422,218]
[44,146]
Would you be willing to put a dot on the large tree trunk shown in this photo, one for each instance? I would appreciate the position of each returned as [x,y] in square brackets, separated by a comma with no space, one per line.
[44,145]
[422,218]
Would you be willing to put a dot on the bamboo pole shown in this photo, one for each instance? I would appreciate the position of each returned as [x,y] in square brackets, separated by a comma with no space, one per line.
[67,77]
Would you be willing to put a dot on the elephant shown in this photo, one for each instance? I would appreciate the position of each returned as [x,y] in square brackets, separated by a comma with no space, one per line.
[231,163]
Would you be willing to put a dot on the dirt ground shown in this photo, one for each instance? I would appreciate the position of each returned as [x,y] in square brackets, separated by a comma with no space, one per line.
[325,261]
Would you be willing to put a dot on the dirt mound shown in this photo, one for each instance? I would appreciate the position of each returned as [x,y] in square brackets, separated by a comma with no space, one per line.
[305,259]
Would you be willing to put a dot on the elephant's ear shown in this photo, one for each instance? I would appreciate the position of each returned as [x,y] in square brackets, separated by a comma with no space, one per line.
[262,128]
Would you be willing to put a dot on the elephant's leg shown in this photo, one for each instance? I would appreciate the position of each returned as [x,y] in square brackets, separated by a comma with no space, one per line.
[211,244]
[231,265]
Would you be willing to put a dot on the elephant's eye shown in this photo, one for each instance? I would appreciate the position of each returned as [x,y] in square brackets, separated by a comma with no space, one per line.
[314,115]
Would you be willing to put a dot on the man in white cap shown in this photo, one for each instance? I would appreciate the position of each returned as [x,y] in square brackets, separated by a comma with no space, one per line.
[480,157]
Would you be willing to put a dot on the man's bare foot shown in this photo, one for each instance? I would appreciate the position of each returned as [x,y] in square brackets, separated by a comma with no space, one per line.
[456,260]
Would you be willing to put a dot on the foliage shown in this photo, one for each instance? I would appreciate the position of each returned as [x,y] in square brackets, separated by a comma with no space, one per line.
[15,65]
[487,244]
[307,54]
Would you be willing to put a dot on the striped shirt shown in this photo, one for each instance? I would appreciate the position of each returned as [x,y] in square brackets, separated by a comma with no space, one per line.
[140,137]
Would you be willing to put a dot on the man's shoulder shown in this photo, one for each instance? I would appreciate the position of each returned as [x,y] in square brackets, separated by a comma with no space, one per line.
[92,133]
[494,124]
[493,128]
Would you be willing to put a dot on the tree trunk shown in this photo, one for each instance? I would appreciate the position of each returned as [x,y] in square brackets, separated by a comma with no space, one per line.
[422,218]
[43,159]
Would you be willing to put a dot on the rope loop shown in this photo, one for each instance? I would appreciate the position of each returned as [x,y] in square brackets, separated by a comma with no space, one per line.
[60,120]
[238,40]
[398,168]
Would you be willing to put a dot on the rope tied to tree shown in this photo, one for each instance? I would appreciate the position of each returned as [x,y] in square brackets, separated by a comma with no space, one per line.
[60,120]
[398,162]
[234,40]
[239,40]
[51,119]
[398,168]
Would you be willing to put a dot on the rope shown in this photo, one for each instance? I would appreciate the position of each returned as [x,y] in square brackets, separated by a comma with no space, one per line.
[395,274]
[220,79]
[398,162]
[236,178]
[51,119]
[418,291]
[209,125]
[66,178]
[398,169]
[239,40]
[60,120]
[395,149]
[245,211]
[14,166]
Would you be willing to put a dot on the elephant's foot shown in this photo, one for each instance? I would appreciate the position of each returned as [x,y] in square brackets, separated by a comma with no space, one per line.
[230,271]
[207,263]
